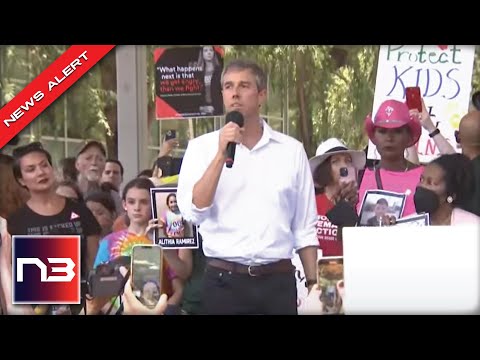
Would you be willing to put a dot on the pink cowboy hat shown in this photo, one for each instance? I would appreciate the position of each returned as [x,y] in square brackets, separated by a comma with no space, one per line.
[390,115]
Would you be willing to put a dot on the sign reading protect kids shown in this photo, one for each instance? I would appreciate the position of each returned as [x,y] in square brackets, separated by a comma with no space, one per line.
[444,75]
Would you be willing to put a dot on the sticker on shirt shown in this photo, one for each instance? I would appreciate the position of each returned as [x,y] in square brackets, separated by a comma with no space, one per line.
[325,229]
[378,203]
[74,216]
[174,231]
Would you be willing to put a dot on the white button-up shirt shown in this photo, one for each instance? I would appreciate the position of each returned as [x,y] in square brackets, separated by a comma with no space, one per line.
[264,206]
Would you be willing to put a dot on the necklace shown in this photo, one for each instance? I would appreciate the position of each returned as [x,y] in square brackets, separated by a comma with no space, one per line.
[377,167]
[378,178]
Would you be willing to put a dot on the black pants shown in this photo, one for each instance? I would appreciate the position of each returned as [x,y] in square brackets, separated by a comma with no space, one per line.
[229,293]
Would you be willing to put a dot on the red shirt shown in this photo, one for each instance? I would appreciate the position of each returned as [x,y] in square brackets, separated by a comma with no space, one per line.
[326,231]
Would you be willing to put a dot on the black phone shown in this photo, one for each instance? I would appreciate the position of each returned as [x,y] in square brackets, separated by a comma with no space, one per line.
[170,134]
[346,175]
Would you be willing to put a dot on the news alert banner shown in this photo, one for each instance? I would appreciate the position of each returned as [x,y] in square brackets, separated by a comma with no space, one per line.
[75,62]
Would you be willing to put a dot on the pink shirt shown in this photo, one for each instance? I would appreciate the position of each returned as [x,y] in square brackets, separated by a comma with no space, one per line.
[462,217]
[395,181]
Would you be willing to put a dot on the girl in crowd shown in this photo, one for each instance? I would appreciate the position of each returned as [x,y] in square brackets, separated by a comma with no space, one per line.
[393,130]
[103,208]
[333,159]
[137,204]
[445,184]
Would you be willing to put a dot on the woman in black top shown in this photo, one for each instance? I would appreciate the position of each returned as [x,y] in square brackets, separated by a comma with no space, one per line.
[46,212]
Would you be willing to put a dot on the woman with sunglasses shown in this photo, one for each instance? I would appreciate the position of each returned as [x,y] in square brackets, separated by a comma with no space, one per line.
[46,212]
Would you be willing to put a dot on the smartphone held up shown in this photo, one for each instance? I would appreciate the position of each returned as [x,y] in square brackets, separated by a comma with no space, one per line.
[147,270]
[170,134]
[413,98]
[347,175]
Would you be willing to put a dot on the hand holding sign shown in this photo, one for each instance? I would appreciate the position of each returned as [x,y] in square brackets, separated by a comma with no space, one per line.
[152,224]
[388,220]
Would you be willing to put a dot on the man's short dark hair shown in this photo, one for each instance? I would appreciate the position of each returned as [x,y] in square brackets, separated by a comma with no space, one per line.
[243,64]
[115,162]
[382,201]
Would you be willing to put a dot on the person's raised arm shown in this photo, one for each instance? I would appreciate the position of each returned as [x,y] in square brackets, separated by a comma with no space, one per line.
[444,147]
[204,189]
[197,186]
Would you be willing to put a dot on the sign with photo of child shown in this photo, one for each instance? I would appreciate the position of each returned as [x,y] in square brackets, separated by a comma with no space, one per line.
[378,203]
[174,231]
[414,220]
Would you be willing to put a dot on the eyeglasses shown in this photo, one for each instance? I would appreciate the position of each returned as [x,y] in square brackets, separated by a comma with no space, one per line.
[20,151]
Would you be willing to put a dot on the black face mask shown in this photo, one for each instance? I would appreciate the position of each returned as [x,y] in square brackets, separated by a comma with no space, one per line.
[425,200]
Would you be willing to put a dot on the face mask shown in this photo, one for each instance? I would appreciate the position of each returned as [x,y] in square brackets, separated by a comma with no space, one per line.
[425,200]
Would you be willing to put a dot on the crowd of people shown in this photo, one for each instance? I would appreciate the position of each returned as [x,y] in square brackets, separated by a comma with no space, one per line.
[251,218]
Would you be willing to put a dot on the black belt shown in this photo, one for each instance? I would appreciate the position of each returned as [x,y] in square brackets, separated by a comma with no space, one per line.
[281,266]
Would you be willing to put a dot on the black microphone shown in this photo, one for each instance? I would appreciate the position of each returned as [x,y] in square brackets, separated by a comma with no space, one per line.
[237,118]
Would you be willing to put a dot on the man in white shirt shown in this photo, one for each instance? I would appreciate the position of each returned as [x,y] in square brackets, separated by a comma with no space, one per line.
[254,215]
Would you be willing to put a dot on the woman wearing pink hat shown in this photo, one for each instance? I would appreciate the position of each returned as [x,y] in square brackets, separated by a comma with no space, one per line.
[392,131]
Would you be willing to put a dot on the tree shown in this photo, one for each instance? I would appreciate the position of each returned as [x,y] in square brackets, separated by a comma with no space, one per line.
[86,111]
[330,89]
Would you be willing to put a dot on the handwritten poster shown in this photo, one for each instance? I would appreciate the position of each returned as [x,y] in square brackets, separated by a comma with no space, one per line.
[444,75]
[187,82]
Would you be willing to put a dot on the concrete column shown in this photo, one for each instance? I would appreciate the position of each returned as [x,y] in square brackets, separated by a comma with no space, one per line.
[132,108]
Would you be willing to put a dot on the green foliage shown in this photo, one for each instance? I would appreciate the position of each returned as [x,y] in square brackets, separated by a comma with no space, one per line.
[336,96]
[82,107]
[321,90]
[476,70]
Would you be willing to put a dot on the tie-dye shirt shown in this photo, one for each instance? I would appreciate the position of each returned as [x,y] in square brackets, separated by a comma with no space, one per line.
[120,243]
[117,244]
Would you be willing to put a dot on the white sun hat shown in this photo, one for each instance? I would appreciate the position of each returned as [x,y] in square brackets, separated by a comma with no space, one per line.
[334,146]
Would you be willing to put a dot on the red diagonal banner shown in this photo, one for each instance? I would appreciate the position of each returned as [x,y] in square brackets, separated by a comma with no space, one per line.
[47,87]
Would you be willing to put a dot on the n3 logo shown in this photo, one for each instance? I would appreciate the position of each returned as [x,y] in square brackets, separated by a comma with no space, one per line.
[46,269]
[68,269]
